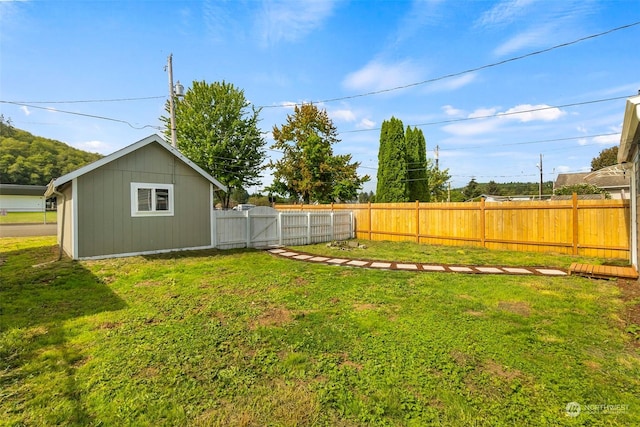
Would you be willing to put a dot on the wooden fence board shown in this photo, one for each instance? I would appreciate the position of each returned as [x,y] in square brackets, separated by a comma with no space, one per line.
[580,227]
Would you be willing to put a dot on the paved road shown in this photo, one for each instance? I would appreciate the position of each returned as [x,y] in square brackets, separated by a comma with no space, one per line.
[24,230]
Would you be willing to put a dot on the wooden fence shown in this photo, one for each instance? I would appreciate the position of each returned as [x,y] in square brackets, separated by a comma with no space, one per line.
[579,227]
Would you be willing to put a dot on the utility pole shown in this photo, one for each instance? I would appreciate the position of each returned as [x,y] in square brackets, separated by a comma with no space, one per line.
[437,155]
[540,167]
[177,90]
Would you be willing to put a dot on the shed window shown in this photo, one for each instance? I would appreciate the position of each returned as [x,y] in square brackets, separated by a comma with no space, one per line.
[151,199]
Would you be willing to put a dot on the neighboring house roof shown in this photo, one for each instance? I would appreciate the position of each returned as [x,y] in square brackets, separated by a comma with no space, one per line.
[630,129]
[605,182]
[123,152]
[22,190]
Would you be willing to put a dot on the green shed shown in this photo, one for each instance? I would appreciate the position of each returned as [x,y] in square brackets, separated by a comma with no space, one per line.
[146,198]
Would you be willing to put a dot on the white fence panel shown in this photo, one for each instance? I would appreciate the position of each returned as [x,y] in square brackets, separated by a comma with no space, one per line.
[262,226]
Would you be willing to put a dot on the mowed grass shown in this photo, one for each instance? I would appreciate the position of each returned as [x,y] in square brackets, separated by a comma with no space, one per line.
[29,217]
[245,338]
[406,251]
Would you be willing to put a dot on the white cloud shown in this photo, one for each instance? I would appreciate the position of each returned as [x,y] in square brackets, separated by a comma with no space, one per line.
[608,139]
[504,12]
[376,76]
[25,110]
[366,124]
[291,20]
[526,39]
[472,128]
[482,112]
[450,111]
[93,146]
[491,119]
[451,84]
[523,113]
[343,115]
[562,169]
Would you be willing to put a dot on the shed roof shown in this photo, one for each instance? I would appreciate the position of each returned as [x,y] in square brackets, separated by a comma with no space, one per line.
[22,190]
[611,181]
[630,129]
[123,152]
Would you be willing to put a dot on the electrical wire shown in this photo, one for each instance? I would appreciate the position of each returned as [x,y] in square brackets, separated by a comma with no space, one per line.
[92,100]
[460,73]
[55,110]
[489,116]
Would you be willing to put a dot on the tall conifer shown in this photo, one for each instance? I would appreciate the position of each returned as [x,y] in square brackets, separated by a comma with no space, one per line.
[392,163]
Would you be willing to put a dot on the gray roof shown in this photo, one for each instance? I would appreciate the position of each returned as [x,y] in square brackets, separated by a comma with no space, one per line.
[123,152]
[616,181]
[22,190]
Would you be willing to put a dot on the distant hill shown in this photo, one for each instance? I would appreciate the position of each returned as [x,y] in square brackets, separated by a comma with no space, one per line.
[34,160]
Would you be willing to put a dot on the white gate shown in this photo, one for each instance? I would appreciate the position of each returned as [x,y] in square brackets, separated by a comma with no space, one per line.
[264,226]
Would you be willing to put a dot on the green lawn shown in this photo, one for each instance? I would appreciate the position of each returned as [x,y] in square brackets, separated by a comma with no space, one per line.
[459,255]
[245,338]
[29,217]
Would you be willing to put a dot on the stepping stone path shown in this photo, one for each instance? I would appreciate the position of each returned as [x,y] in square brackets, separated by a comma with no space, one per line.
[387,265]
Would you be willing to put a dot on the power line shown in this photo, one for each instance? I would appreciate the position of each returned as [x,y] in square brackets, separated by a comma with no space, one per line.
[55,110]
[470,70]
[89,100]
[489,116]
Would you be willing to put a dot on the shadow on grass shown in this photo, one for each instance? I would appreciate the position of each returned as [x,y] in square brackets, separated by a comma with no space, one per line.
[37,299]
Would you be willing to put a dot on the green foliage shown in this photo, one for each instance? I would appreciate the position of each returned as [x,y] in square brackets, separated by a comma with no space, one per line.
[472,190]
[510,189]
[438,182]
[218,131]
[492,188]
[33,160]
[417,182]
[309,170]
[607,157]
[392,183]
[582,188]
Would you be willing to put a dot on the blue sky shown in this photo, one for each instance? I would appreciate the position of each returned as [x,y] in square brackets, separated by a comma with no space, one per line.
[285,52]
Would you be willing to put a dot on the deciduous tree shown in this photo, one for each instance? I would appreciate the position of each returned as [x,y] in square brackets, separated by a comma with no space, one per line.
[217,128]
[309,170]
[607,157]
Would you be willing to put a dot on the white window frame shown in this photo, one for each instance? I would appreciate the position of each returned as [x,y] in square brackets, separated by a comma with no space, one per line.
[135,186]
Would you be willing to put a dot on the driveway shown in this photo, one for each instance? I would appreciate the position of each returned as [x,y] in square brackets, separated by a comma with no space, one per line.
[24,230]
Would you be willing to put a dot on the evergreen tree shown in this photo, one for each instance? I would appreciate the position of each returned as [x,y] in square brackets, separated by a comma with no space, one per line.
[417,183]
[472,190]
[392,163]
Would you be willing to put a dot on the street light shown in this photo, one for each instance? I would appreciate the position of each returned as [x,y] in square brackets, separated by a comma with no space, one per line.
[177,90]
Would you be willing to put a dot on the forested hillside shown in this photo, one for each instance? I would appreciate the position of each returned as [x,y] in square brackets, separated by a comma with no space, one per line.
[30,159]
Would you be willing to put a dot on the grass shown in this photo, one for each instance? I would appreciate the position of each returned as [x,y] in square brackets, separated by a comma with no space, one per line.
[244,338]
[456,255]
[29,217]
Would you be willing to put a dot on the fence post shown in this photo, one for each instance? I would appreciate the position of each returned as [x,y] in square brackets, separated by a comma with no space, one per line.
[308,228]
[332,222]
[574,208]
[482,222]
[280,228]
[246,214]
[417,221]
[370,221]
[352,225]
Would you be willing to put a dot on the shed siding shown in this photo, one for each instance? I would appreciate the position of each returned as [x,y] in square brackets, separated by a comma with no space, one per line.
[106,227]
[66,220]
